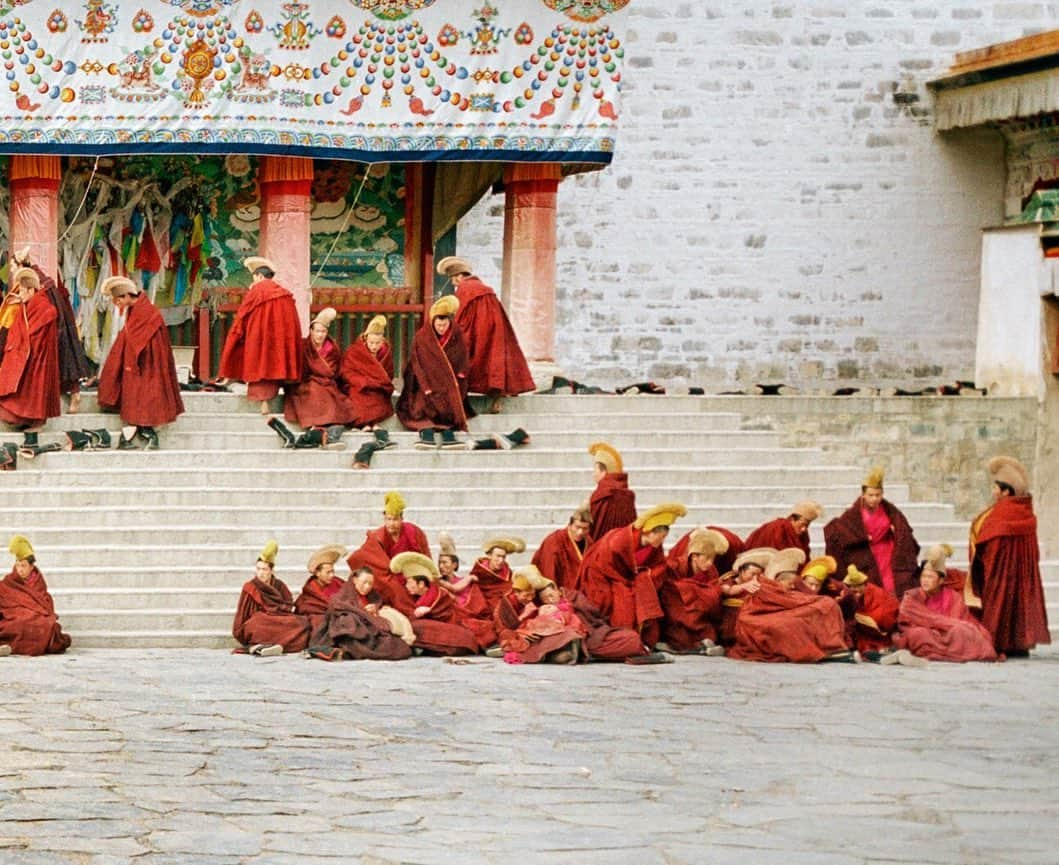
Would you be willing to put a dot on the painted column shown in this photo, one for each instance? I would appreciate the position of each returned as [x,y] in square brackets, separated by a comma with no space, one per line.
[35,209]
[286,203]
[528,287]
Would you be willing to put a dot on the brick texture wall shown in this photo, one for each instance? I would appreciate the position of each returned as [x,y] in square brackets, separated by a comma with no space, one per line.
[780,208]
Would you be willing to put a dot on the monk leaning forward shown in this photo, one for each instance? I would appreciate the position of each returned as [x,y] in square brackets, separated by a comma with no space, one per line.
[532,634]
[435,620]
[874,623]
[613,504]
[358,625]
[28,624]
[789,531]
[691,595]
[265,621]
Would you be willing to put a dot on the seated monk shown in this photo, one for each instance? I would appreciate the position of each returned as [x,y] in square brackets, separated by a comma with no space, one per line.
[322,584]
[623,571]
[395,535]
[817,578]
[559,556]
[691,595]
[363,581]
[612,504]
[28,624]
[874,619]
[265,622]
[358,626]
[367,370]
[934,622]
[473,611]
[789,531]
[316,399]
[434,617]
[738,585]
[530,634]
[492,572]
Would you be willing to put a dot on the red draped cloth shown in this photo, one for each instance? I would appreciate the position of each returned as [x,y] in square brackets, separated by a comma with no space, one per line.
[375,553]
[726,561]
[551,633]
[263,346]
[691,601]
[440,631]
[266,615]
[139,377]
[314,598]
[941,628]
[612,505]
[779,534]
[779,625]
[604,642]
[850,542]
[435,381]
[494,584]
[360,635]
[496,362]
[1006,574]
[474,612]
[881,608]
[73,364]
[369,379]
[28,623]
[29,371]
[558,558]
[317,400]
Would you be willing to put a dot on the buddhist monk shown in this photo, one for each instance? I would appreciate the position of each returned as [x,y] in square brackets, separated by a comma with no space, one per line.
[316,398]
[789,531]
[874,535]
[363,581]
[434,396]
[359,625]
[691,595]
[434,617]
[492,571]
[473,610]
[1005,563]
[817,578]
[874,621]
[559,556]
[322,584]
[265,621]
[738,585]
[527,637]
[496,365]
[139,378]
[395,535]
[612,504]
[28,624]
[264,346]
[934,622]
[367,370]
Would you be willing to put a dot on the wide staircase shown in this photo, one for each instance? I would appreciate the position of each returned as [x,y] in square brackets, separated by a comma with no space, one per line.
[151,548]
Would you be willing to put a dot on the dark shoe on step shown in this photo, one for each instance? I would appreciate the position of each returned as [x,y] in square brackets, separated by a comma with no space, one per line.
[426,440]
[449,441]
[150,437]
[283,431]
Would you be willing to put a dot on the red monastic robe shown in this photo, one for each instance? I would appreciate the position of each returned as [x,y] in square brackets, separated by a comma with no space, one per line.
[874,620]
[440,631]
[726,561]
[779,625]
[941,628]
[690,600]
[473,612]
[494,584]
[612,505]
[435,381]
[1006,574]
[377,551]
[558,558]
[28,623]
[264,344]
[848,541]
[779,534]
[73,364]
[513,631]
[360,635]
[369,378]
[314,598]
[266,615]
[29,371]
[604,642]
[496,363]
[316,399]
[139,377]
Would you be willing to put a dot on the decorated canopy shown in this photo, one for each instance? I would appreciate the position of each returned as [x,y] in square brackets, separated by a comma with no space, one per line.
[366,80]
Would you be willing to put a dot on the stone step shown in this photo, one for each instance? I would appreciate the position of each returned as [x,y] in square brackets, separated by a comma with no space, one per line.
[189,619]
[70,601]
[184,638]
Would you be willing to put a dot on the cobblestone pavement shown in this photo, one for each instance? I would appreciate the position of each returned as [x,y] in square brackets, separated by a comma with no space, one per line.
[164,757]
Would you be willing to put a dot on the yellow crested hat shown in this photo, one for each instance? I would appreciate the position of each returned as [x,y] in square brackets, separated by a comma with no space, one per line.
[445,306]
[854,577]
[760,556]
[789,559]
[607,455]
[20,548]
[1008,470]
[414,565]
[707,542]
[509,544]
[326,555]
[255,262]
[268,554]
[820,568]
[394,504]
[377,325]
[660,515]
[450,265]
[118,286]
[874,478]
[533,575]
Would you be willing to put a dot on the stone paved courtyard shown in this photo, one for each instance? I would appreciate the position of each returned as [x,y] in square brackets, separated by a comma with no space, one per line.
[165,757]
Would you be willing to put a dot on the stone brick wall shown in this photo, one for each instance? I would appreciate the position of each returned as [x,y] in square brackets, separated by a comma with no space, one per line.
[779,207]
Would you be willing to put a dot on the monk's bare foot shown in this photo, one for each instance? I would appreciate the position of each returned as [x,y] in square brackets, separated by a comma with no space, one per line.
[264,407]
[494,406]
[75,403]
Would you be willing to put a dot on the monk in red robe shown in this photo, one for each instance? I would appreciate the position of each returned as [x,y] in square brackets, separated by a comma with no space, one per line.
[559,556]
[492,572]
[875,610]
[28,624]
[603,641]
[139,377]
[874,535]
[623,571]
[321,586]
[357,625]
[1005,564]
[367,370]
[434,397]
[691,594]
[29,371]
[532,634]
[613,504]
[786,532]
[395,535]
[317,399]
[363,581]
[472,609]
[496,365]
[265,621]
[435,619]
[934,622]
[738,586]
[264,346]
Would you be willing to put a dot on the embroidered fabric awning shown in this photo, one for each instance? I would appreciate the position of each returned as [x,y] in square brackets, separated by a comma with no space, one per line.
[369,80]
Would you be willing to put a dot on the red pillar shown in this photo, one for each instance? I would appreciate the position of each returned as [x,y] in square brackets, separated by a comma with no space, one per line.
[35,208]
[286,203]
[528,286]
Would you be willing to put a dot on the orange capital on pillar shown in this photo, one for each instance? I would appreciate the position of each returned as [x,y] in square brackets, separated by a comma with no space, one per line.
[35,208]
[286,204]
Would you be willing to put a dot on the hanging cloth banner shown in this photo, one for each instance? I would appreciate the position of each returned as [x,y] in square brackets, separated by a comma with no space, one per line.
[369,80]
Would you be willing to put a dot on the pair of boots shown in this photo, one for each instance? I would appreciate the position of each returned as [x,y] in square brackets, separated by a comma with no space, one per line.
[501,441]
[329,437]
[88,439]
[147,433]
[428,440]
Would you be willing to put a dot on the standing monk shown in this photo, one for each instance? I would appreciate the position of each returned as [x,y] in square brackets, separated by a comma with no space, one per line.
[613,504]
[1005,563]
[265,622]
[875,536]
[264,346]
[139,377]
[28,624]
[559,556]
[367,370]
[497,366]
[785,532]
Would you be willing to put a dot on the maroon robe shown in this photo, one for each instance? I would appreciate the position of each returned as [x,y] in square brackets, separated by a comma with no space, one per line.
[779,625]
[266,615]
[604,641]
[473,612]
[941,628]
[847,541]
[29,371]
[496,363]
[440,631]
[726,561]
[1006,574]
[612,505]
[435,381]
[558,558]
[513,632]
[691,601]
[377,551]
[779,534]
[316,399]
[360,635]
[314,598]
[264,343]
[139,377]
[28,623]
[494,585]
[73,364]
[369,379]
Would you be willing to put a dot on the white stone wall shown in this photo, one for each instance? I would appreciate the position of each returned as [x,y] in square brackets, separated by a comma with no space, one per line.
[780,208]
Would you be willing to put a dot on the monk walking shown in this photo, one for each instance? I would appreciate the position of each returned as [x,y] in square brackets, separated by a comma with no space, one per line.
[28,624]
